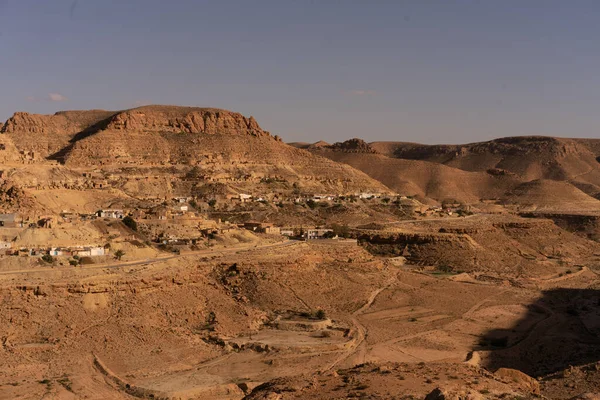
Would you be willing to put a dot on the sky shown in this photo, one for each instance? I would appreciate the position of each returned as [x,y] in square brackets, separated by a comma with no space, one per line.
[446,71]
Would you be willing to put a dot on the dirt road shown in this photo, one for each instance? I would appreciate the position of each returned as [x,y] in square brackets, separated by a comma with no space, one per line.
[357,347]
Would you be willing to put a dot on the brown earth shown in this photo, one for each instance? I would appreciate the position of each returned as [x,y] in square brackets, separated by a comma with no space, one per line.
[495,296]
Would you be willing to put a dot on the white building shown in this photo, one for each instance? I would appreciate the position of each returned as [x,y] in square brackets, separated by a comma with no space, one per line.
[323,197]
[118,214]
[97,251]
[316,233]
[55,251]
[368,195]
[287,231]
[245,197]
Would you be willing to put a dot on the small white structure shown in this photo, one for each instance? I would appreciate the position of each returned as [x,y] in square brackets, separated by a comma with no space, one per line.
[5,245]
[287,232]
[316,233]
[85,252]
[55,251]
[96,251]
[323,197]
[245,197]
[369,195]
[117,214]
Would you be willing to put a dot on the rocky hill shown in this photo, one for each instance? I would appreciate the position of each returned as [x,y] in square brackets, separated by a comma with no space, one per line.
[203,145]
[423,179]
[49,134]
[532,157]
[529,157]
[500,169]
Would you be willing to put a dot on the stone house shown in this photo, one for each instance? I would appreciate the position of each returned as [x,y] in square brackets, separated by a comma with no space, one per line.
[117,214]
[10,220]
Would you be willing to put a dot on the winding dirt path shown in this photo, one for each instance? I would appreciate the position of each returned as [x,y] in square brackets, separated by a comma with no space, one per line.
[357,346]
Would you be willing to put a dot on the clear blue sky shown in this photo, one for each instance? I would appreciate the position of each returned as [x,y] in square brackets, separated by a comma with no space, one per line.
[423,70]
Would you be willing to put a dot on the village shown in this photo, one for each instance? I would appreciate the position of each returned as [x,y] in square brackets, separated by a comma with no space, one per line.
[185,223]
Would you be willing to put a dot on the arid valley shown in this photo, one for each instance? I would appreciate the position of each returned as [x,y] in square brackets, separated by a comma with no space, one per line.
[185,253]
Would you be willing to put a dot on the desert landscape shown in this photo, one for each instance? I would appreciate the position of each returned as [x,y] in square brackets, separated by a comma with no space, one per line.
[173,252]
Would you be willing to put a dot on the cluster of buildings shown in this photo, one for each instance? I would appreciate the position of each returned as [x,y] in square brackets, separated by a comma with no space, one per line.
[247,198]
[6,248]
[301,232]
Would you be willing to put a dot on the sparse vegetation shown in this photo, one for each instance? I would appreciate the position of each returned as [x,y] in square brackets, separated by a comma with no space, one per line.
[320,314]
[342,231]
[119,254]
[312,204]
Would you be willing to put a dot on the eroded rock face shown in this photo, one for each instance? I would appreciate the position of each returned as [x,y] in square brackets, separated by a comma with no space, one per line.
[61,123]
[44,135]
[48,135]
[353,146]
[185,120]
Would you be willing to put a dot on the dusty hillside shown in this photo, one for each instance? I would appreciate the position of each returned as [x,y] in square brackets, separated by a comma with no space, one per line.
[182,149]
[48,134]
[538,173]
[500,244]
[395,381]
[544,194]
[531,158]
[239,158]
[423,178]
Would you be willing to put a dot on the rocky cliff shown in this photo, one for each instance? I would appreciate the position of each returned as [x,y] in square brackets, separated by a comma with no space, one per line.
[53,135]
[185,120]
[224,147]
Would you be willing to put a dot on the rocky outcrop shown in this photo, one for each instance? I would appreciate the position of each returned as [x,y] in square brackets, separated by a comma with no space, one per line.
[352,146]
[586,225]
[522,380]
[54,135]
[530,157]
[43,135]
[62,123]
[185,120]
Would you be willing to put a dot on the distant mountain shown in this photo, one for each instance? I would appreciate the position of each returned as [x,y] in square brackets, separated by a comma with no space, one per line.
[496,169]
